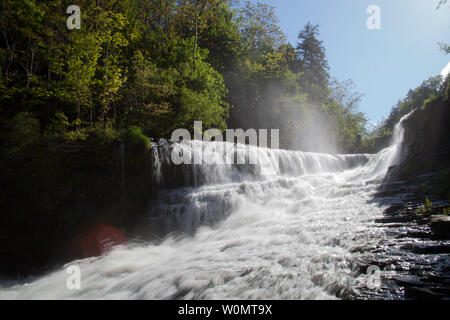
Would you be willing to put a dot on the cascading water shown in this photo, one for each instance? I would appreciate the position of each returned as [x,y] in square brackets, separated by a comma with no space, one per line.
[229,232]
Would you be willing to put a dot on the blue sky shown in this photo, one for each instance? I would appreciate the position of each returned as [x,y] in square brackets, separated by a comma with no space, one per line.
[384,63]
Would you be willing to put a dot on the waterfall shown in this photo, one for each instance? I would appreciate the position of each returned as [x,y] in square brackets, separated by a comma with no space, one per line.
[379,164]
[227,231]
[224,167]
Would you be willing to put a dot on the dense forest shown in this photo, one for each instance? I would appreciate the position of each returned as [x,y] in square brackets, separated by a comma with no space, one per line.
[145,67]
[139,69]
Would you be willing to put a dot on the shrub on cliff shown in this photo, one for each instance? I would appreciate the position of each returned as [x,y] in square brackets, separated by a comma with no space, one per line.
[23,130]
[135,139]
[103,134]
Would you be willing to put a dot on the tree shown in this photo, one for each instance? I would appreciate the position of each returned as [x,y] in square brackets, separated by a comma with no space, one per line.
[82,61]
[110,28]
[345,94]
[260,30]
[160,65]
[223,40]
[413,100]
[200,11]
[314,64]
[445,47]
[441,3]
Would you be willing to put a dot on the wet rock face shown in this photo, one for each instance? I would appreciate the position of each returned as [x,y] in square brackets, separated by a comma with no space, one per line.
[426,146]
[415,257]
[381,142]
[428,130]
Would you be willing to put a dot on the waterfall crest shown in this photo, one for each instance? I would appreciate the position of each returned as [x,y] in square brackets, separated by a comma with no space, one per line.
[221,163]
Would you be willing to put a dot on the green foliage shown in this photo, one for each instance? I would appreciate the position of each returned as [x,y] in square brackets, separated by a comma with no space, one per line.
[58,126]
[103,134]
[428,101]
[313,62]
[416,98]
[427,208]
[428,204]
[135,139]
[76,135]
[445,47]
[260,30]
[162,65]
[23,130]
[421,97]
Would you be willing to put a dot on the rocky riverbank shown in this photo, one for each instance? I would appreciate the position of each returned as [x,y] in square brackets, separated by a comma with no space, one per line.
[415,257]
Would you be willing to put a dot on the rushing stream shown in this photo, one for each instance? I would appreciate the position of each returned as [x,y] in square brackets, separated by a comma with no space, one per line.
[231,233]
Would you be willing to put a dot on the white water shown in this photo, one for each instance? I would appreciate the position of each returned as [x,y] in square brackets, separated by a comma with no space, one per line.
[298,234]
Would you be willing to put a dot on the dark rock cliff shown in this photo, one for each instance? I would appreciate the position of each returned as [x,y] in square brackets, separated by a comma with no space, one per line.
[55,194]
[426,147]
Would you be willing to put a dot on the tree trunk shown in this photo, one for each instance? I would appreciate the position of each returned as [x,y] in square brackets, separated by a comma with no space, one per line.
[196,35]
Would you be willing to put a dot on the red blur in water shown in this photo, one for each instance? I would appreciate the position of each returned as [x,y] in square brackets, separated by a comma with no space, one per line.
[100,240]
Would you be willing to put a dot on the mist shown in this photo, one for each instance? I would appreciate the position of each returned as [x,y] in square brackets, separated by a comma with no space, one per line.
[303,125]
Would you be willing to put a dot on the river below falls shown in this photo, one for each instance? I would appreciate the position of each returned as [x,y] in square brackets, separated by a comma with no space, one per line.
[308,235]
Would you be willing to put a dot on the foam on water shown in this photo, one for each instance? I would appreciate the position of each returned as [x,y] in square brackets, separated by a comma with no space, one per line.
[237,234]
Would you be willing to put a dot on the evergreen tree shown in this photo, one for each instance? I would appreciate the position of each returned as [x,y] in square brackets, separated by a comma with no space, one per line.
[313,62]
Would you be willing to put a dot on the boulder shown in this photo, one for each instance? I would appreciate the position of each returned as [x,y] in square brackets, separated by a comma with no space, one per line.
[440,224]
